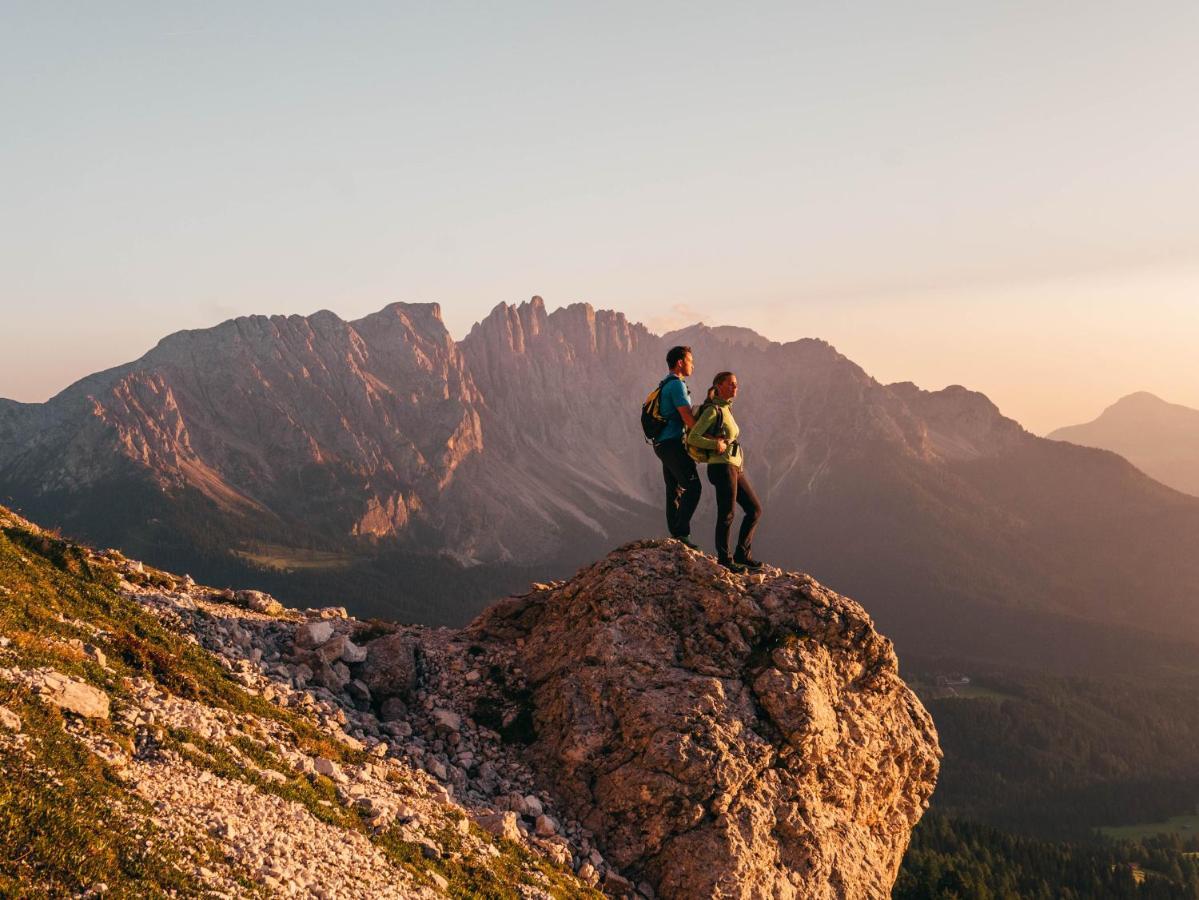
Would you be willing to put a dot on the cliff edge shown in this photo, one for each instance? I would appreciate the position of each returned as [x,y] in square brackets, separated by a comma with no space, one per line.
[730,736]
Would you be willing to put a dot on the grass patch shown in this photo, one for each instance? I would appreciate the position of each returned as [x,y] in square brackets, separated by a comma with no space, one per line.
[58,808]
[53,584]
[291,559]
[493,878]
[1186,826]
[57,834]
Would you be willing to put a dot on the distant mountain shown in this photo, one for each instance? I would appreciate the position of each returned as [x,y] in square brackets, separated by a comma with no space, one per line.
[382,465]
[1159,438]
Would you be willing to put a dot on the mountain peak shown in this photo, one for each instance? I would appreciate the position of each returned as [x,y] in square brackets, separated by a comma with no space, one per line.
[735,335]
[1158,437]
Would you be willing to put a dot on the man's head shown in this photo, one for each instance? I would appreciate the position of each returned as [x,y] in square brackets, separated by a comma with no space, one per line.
[679,361]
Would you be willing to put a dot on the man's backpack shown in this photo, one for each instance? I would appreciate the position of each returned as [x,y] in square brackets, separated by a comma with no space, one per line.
[652,420]
[702,454]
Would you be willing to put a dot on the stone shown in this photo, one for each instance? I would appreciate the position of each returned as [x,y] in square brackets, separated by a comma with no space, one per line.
[73,696]
[330,651]
[259,602]
[327,767]
[352,654]
[313,634]
[359,692]
[447,720]
[588,875]
[393,709]
[500,824]
[533,807]
[9,720]
[617,885]
[545,826]
[390,667]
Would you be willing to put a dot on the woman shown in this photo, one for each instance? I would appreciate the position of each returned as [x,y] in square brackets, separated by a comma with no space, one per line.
[716,432]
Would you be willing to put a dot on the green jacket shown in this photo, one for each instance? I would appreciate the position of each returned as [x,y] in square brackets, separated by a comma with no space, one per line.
[698,436]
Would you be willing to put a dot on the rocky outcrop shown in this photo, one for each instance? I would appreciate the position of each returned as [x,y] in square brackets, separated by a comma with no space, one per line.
[654,727]
[723,736]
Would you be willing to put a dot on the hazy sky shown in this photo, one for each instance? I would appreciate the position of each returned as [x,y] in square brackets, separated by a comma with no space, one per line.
[1000,195]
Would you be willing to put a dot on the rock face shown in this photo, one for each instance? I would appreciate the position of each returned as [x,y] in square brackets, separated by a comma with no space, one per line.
[724,736]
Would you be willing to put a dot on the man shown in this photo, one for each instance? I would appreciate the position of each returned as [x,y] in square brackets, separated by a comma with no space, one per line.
[678,468]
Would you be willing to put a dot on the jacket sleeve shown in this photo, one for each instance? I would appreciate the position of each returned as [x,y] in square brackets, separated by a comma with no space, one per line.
[698,436]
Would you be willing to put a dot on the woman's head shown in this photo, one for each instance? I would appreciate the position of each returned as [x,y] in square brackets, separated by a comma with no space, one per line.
[724,386]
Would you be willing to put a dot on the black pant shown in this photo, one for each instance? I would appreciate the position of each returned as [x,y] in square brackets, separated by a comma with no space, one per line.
[732,487]
[682,486]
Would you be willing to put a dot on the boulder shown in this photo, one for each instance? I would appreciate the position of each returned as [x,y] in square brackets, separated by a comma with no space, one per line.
[351,653]
[313,634]
[722,736]
[259,602]
[500,824]
[73,696]
[9,720]
[447,720]
[390,667]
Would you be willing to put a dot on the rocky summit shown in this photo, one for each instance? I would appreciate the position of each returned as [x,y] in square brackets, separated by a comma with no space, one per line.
[730,736]
[653,727]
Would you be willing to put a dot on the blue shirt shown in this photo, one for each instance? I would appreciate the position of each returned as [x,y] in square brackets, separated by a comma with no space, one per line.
[674,394]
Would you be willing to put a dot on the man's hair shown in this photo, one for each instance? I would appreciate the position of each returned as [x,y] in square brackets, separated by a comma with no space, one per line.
[674,355]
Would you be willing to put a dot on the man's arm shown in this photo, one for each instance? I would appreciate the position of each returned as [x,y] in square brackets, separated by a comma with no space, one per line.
[675,397]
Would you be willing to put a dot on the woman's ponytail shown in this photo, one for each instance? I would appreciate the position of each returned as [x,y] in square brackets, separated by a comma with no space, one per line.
[720,377]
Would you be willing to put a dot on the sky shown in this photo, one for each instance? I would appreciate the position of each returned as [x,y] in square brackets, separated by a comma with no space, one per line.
[1004,196]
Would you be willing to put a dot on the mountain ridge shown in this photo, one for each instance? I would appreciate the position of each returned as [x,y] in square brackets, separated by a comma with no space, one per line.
[385,441]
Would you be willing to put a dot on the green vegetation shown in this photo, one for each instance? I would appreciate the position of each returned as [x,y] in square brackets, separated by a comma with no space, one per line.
[1180,825]
[59,802]
[1060,757]
[290,559]
[500,879]
[951,859]
[58,807]
[1030,775]
[56,593]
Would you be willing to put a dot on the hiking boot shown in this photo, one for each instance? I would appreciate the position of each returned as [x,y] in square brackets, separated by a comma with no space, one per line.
[744,559]
[688,543]
[732,565]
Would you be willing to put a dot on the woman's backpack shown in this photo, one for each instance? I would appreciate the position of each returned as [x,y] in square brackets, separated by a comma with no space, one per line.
[702,454]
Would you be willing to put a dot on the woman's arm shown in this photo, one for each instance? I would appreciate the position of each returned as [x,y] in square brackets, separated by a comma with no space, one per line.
[698,435]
